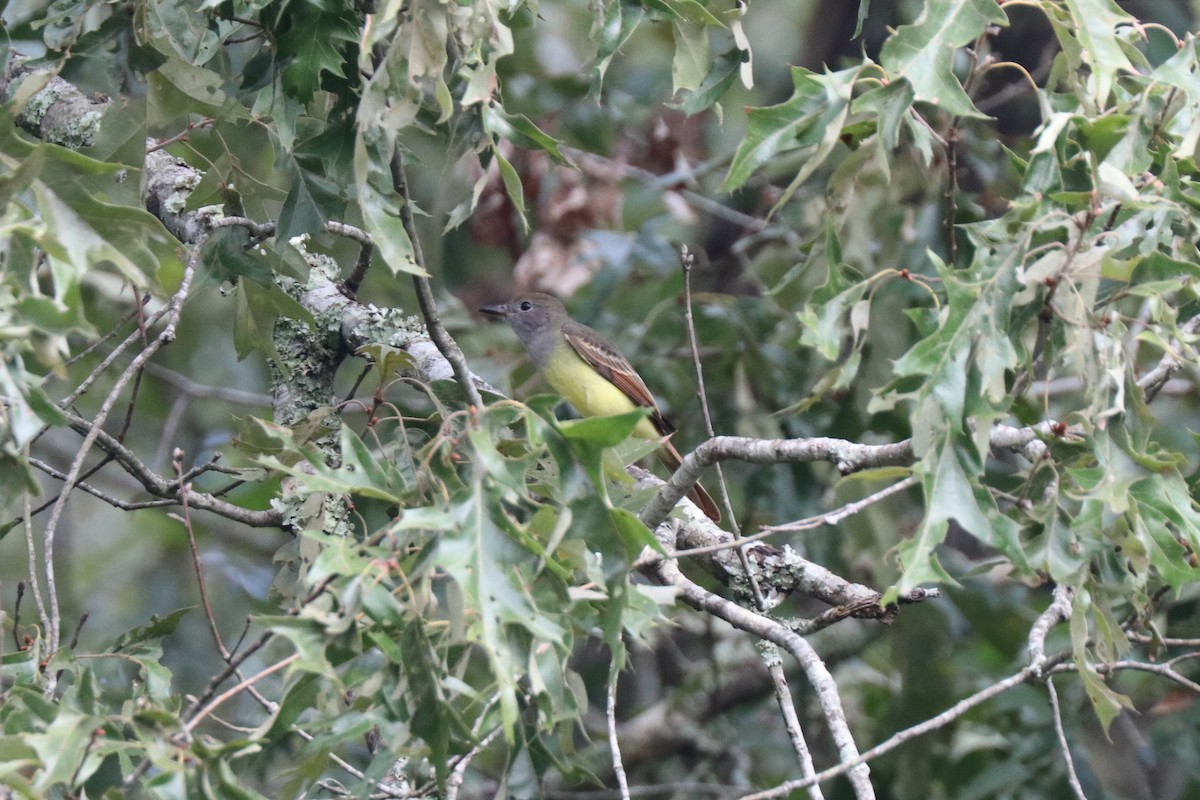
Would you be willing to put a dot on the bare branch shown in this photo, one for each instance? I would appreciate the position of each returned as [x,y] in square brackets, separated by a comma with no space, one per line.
[791,721]
[1166,670]
[835,516]
[687,260]
[454,781]
[193,389]
[167,335]
[818,675]
[433,322]
[920,729]
[781,572]
[1063,744]
[159,486]
[1055,664]
[1169,364]
[184,489]
[706,204]
[191,724]
[1168,641]
[32,553]
[847,456]
[1058,611]
[614,746]
[115,502]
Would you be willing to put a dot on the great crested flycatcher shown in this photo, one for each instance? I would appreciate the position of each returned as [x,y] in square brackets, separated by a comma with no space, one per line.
[590,373]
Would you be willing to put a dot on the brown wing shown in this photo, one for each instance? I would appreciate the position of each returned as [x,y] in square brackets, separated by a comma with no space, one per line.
[608,361]
[613,367]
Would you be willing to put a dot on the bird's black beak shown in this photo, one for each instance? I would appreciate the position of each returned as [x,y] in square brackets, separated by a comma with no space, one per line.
[495,311]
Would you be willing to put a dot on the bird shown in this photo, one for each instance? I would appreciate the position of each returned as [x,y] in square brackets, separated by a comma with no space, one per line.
[591,374]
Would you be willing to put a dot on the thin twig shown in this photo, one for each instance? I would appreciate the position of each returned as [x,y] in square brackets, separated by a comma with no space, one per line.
[1056,712]
[1058,663]
[897,739]
[687,261]
[191,724]
[1142,638]
[1166,671]
[86,384]
[166,336]
[83,618]
[844,512]
[706,204]
[95,736]
[847,456]
[791,720]
[818,674]
[177,463]
[679,789]
[240,658]
[952,192]
[31,548]
[136,312]
[1171,362]
[614,746]
[115,502]
[191,388]
[79,482]
[433,322]
[455,779]
[367,248]
[182,136]
[808,523]
[159,486]
[16,623]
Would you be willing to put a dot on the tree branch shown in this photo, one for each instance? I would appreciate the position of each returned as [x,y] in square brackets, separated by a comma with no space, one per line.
[1058,611]
[159,486]
[1169,364]
[822,682]
[166,336]
[791,721]
[433,322]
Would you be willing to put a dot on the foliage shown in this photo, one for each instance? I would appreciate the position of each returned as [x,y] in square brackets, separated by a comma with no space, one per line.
[961,246]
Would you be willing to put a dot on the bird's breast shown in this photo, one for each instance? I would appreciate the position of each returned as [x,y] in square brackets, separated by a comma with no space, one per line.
[592,394]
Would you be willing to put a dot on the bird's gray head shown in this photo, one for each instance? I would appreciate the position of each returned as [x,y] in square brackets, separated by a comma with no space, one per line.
[529,314]
[537,320]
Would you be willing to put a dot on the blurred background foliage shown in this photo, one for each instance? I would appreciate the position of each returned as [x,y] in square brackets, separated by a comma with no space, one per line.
[1018,246]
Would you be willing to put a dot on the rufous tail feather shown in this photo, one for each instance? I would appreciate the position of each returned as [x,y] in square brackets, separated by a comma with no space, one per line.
[671,459]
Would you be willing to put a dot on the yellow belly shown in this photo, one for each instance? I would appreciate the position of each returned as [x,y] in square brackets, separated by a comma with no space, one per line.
[590,393]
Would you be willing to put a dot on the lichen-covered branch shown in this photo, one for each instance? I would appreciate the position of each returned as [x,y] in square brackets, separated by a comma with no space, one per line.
[52,109]
[764,628]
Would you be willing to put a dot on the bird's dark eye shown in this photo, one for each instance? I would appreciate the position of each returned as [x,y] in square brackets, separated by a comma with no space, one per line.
[526,305]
